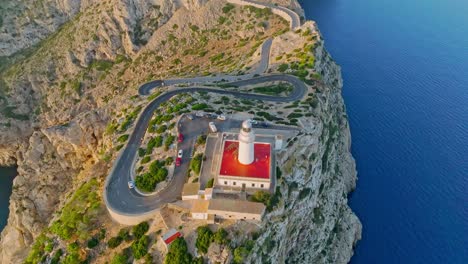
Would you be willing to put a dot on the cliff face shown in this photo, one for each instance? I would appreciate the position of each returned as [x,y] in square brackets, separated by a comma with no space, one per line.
[73,91]
[314,224]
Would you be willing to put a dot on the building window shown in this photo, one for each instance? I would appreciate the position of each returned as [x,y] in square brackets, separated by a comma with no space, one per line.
[253,184]
[261,185]
[233,183]
[225,182]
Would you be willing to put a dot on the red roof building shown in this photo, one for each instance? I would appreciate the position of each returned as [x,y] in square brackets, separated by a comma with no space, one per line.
[255,175]
[170,236]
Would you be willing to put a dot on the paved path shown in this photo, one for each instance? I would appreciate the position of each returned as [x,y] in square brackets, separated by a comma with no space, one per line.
[123,201]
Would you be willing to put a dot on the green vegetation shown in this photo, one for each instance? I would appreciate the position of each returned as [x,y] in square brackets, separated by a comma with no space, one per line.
[114,242]
[145,160]
[38,249]
[56,258]
[195,163]
[274,89]
[168,142]
[241,252]
[157,173]
[261,197]
[201,140]
[152,143]
[283,67]
[140,247]
[210,183]
[228,7]
[101,65]
[8,112]
[140,229]
[220,237]
[79,213]
[122,138]
[120,259]
[129,119]
[260,12]
[178,253]
[204,238]
[93,242]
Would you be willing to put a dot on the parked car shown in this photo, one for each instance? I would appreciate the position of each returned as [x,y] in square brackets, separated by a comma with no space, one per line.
[131,184]
[190,117]
[200,114]
[212,127]
[222,117]
[180,138]
[178,161]
[264,124]
[253,122]
[180,153]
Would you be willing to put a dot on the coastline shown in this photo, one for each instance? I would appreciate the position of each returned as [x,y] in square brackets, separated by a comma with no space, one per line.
[7,175]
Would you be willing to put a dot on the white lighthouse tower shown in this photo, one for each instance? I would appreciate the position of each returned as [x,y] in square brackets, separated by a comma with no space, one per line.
[246,143]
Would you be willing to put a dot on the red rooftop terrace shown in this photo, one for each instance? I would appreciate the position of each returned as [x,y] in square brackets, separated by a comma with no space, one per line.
[260,168]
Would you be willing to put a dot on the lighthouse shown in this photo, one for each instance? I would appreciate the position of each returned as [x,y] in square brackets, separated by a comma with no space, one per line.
[246,143]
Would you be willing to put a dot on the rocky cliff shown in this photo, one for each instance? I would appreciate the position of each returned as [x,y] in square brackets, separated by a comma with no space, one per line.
[313,223]
[58,98]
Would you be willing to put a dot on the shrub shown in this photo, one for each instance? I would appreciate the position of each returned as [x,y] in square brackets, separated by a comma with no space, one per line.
[169,140]
[140,229]
[145,160]
[114,242]
[140,247]
[283,67]
[201,139]
[93,242]
[204,238]
[220,236]
[120,259]
[200,106]
[261,197]
[56,258]
[122,138]
[227,8]
[124,234]
[195,163]
[210,183]
[178,253]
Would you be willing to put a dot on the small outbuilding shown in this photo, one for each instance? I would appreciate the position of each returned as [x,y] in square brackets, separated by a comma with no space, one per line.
[170,236]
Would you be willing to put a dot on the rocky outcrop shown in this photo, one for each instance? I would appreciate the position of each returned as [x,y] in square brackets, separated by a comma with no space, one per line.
[47,165]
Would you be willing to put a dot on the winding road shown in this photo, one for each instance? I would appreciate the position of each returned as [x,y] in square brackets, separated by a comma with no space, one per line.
[122,201]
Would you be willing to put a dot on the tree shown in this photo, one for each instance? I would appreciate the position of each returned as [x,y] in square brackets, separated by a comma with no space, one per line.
[204,238]
[195,163]
[178,253]
[140,229]
[120,259]
[93,242]
[220,236]
[239,254]
[140,247]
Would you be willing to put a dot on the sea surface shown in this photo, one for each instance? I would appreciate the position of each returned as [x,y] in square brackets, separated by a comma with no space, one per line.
[6,182]
[405,71]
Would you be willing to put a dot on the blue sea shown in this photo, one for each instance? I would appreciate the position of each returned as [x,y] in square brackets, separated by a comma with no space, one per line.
[6,181]
[405,71]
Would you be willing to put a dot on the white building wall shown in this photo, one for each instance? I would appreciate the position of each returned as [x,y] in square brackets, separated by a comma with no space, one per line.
[190,197]
[229,182]
[200,216]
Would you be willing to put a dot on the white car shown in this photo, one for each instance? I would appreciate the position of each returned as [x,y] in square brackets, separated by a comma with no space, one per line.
[180,153]
[200,114]
[131,184]
[212,126]
[253,122]
[221,117]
